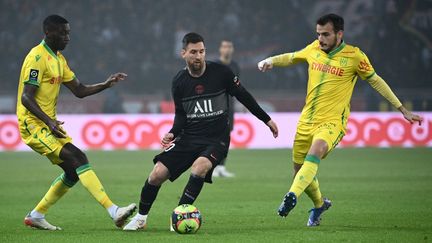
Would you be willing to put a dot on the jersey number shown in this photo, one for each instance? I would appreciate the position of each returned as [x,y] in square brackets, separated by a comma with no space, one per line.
[170,147]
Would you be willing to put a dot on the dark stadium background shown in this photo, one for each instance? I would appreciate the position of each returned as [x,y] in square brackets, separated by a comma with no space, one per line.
[379,181]
[142,38]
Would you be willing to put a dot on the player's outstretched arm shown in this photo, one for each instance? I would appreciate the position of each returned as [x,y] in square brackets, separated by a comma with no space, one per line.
[81,90]
[273,128]
[409,116]
[382,87]
[286,59]
[250,103]
[265,65]
[28,100]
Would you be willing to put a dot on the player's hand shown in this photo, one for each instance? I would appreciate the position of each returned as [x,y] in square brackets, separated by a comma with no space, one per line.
[114,78]
[167,140]
[409,116]
[265,65]
[273,128]
[56,128]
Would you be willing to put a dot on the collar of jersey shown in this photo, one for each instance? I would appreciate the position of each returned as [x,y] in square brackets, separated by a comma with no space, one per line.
[48,49]
[340,47]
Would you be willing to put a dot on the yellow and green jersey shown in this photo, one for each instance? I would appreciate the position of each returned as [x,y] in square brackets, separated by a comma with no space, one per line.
[43,68]
[332,77]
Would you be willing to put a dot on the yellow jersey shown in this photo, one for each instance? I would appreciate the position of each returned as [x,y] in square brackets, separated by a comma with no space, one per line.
[42,68]
[332,77]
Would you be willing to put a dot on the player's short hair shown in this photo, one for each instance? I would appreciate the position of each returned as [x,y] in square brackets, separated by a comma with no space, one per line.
[52,22]
[191,37]
[336,20]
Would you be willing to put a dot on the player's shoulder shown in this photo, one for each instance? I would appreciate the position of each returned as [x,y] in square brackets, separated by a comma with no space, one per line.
[352,51]
[235,64]
[182,74]
[313,45]
[217,67]
[35,56]
[36,51]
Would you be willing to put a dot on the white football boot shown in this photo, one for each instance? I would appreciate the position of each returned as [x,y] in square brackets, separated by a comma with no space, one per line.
[39,223]
[139,222]
[123,213]
[223,172]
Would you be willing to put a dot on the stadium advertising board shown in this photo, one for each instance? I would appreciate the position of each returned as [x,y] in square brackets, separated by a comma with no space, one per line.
[144,131]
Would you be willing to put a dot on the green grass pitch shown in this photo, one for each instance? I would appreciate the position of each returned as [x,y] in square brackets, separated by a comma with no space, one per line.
[379,195]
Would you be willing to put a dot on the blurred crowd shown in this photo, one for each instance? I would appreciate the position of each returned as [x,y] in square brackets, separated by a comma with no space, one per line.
[143,38]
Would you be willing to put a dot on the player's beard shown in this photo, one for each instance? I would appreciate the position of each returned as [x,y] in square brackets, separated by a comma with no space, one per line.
[196,67]
[331,47]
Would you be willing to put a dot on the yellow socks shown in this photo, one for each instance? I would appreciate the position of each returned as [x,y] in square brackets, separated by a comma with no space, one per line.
[91,182]
[305,175]
[58,188]
[314,193]
[61,185]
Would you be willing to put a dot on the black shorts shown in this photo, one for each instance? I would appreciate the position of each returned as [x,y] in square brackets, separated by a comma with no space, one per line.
[180,156]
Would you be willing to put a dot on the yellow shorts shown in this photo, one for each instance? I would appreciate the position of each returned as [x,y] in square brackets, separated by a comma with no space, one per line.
[307,133]
[38,136]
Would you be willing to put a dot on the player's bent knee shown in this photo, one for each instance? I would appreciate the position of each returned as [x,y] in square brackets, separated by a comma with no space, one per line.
[158,175]
[297,167]
[72,176]
[81,158]
[73,155]
[319,148]
[201,167]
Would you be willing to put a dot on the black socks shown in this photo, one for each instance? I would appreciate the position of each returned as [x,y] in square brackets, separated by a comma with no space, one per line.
[148,195]
[192,189]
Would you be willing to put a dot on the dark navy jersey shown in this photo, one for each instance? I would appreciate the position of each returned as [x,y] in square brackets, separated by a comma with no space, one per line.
[235,68]
[201,103]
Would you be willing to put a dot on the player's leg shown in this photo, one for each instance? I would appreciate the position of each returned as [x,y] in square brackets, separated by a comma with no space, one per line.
[44,143]
[149,192]
[200,168]
[304,177]
[332,133]
[36,218]
[76,161]
[151,187]
[308,170]
[58,188]
[302,144]
[209,157]
[169,164]
[313,191]
[221,170]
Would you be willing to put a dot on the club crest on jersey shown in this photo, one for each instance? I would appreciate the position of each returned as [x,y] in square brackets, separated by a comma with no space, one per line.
[34,74]
[344,62]
[199,89]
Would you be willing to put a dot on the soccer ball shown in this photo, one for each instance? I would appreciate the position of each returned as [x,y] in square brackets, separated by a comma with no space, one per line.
[186,219]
